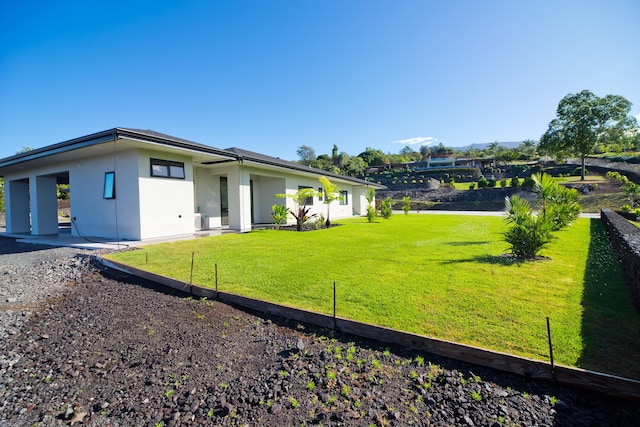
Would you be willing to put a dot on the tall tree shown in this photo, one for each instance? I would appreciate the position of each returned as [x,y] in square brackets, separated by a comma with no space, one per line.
[584,120]
[334,155]
[493,149]
[307,155]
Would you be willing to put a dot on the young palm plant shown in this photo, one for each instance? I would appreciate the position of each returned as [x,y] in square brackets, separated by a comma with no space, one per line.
[529,232]
[331,193]
[370,195]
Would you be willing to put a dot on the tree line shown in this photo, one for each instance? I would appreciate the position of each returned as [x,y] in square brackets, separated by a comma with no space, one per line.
[343,163]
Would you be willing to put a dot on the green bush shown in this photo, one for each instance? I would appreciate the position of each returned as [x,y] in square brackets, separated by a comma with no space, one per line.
[371,213]
[503,183]
[279,213]
[515,183]
[492,183]
[406,204]
[531,231]
[385,208]
[578,171]
[452,182]
[482,182]
[528,182]
[472,186]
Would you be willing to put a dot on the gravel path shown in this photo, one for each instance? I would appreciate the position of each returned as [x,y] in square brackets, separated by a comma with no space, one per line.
[82,348]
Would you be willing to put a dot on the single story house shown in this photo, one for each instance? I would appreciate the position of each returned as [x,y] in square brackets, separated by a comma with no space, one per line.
[131,184]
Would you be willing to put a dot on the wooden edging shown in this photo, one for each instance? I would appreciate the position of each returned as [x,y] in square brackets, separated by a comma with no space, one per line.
[536,369]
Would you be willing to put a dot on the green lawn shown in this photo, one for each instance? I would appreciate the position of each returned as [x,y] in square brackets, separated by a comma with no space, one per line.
[437,275]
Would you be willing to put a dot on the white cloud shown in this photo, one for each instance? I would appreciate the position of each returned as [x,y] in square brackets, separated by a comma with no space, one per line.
[422,140]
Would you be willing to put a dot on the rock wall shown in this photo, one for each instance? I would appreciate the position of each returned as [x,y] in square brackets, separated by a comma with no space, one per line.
[625,239]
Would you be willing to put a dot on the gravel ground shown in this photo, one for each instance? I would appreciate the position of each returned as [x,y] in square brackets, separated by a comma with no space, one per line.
[80,347]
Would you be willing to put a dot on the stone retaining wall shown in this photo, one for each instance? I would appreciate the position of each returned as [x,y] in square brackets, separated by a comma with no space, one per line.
[625,239]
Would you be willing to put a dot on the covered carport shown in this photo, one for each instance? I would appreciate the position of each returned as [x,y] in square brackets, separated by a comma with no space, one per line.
[32,203]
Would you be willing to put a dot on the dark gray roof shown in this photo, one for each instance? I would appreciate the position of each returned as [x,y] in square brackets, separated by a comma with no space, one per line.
[172,141]
[276,161]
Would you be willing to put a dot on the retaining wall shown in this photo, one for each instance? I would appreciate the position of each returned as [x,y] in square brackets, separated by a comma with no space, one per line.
[625,239]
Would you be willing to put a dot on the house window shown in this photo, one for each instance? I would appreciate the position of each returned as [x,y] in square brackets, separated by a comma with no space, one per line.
[321,193]
[167,169]
[109,190]
[344,197]
[309,200]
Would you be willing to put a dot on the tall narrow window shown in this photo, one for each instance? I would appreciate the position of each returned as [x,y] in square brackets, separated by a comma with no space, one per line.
[109,190]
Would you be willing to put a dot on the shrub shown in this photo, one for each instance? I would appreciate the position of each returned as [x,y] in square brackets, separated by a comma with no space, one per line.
[452,182]
[492,183]
[529,233]
[406,204]
[503,183]
[472,186]
[482,182]
[371,213]
[279,213]
[515,183]
[578,171]
[528,182]
[385,208]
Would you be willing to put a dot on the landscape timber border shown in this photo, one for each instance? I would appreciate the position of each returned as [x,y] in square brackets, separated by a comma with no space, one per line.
[529,368]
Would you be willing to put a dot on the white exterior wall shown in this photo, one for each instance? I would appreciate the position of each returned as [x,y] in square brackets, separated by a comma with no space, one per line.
[265,189]
[208,195]
[96,216]
[16,193]
[166,204]
[360,200]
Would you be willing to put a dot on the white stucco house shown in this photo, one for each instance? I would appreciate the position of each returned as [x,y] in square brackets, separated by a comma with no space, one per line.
[131,184]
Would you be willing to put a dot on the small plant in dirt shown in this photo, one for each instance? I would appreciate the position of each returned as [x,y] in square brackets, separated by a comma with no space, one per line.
[293,402]
[345,390]
[475,395]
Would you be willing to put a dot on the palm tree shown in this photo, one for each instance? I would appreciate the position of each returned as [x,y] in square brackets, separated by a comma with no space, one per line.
[331,193]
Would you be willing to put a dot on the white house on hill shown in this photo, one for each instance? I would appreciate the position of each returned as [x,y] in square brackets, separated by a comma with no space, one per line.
[135,184]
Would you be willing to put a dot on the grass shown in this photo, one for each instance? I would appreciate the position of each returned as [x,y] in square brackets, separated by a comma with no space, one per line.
[437,275]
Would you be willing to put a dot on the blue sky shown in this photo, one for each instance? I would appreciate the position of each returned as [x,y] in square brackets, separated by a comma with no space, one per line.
[270,76]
